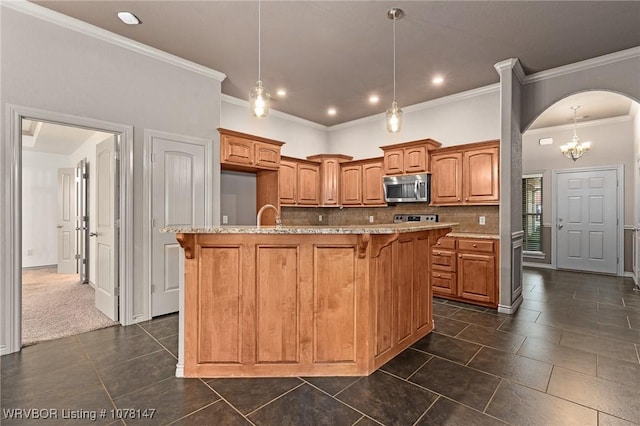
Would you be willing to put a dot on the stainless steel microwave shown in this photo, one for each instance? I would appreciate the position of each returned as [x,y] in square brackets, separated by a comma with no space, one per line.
[407,188]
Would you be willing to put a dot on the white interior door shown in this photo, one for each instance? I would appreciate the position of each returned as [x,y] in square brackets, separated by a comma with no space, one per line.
[82,220]
[66,221]
[636,234]
[587,221]
[106,284]
[178,199]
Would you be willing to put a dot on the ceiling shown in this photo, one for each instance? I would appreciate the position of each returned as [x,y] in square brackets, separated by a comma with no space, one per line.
[338,53]
[56,139]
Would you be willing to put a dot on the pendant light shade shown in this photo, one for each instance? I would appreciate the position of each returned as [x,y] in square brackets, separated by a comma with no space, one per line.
[394,114]
[259,98]
[575,149]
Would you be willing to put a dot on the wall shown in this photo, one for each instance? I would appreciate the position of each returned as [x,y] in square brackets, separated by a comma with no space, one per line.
[40,207]
[453,120]
[53,67]
[301,137]
[612,144]
[238,198]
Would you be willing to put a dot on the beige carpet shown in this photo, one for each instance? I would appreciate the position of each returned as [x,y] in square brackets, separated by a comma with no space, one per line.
[57,305]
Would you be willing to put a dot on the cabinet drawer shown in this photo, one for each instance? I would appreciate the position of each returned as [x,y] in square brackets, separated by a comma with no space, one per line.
[444,283]
[443,260]
[485,246]
[446,243]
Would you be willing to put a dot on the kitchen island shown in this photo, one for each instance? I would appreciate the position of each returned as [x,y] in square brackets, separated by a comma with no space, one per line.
[304,301]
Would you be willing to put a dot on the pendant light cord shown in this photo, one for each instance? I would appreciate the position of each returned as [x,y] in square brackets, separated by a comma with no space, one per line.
[259,39]
[394,59]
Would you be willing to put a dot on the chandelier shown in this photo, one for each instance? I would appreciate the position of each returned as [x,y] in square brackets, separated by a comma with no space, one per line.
[575,149]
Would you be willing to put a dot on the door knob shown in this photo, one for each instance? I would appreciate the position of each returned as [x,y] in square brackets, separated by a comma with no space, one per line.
[560,226]
[93,234]
[59,226]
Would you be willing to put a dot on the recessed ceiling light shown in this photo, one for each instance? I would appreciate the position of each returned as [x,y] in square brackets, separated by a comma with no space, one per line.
[437,80]
[374,99]
[281,92]
[332,111]
[128,18]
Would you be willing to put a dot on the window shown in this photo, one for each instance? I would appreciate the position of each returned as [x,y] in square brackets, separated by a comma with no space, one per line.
[532,213]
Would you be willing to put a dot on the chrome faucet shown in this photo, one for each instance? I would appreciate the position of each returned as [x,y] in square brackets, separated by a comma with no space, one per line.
[263,208]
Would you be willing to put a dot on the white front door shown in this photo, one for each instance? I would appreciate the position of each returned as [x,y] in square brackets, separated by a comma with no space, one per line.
[178,200]
[67,221]
[105,226]
[587,221]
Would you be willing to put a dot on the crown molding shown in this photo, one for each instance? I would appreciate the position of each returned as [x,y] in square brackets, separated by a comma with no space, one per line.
[245,104]
[513,64]
[73,24]
[592,123]
[611,58]
[423,105]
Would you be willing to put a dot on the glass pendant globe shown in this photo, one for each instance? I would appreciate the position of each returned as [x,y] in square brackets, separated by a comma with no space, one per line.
[259,100]
[394,118]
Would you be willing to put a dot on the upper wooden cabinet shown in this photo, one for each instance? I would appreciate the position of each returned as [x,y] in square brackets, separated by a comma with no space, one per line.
[299,182]
[244,152]
[408,157]
[361,183]
[466,174]
[330,177]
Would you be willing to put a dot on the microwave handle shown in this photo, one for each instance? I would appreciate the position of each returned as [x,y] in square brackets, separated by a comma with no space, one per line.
[416,190]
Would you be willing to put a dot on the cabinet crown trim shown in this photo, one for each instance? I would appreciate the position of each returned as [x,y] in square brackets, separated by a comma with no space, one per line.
[340,157]
[254,138]
[431,144]
[474,145]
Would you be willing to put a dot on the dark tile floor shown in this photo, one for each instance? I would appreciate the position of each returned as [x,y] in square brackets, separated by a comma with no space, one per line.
[568,356]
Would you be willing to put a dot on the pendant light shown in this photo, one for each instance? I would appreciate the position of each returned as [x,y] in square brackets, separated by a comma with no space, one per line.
[394,114]
[259,98]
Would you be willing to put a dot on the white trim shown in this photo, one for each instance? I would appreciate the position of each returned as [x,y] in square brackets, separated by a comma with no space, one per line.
[73,24]
[510,310]
[422,106]
[599,61]
[592,123]
[10,153]
[533,254]
[538,265]
[147,191]
[620,209]
[629,228]
[245,104]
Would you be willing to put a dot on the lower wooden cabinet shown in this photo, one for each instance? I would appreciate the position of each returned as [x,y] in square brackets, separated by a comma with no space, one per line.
[466,270]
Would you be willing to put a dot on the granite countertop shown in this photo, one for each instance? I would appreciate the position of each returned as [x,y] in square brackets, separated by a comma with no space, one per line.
[383,228]
[479,236]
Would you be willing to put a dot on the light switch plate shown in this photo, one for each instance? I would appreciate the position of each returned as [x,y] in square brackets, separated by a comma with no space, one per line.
[370,219]
[319,218]
[482,220]
[225,219]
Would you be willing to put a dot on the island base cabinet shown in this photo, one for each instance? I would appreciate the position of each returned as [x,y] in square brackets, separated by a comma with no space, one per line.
[264,305]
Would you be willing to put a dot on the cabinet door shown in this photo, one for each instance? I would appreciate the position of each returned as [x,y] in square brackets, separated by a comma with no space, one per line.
[287,184]
[476,277]
[415,159]
[394,162]
[308,184]
[372,191]
[443,283]
[266,156]
[446,178]
[330,178]
[480,168]
[351,185]
[235,150]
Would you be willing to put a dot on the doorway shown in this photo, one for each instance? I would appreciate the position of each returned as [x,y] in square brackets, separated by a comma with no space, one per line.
[61,201]
[587,224]
[11,250]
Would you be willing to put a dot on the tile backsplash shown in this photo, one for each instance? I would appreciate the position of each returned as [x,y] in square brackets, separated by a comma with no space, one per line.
[467,216]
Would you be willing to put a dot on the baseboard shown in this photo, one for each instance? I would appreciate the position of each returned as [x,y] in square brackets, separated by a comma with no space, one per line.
[510,310]
[538,265]
[30,268]
[179,370]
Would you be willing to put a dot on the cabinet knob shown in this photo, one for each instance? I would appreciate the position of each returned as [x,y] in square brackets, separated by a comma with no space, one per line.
[475,245]
[466,199]
[438,243]
[458,199]
[460,256]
